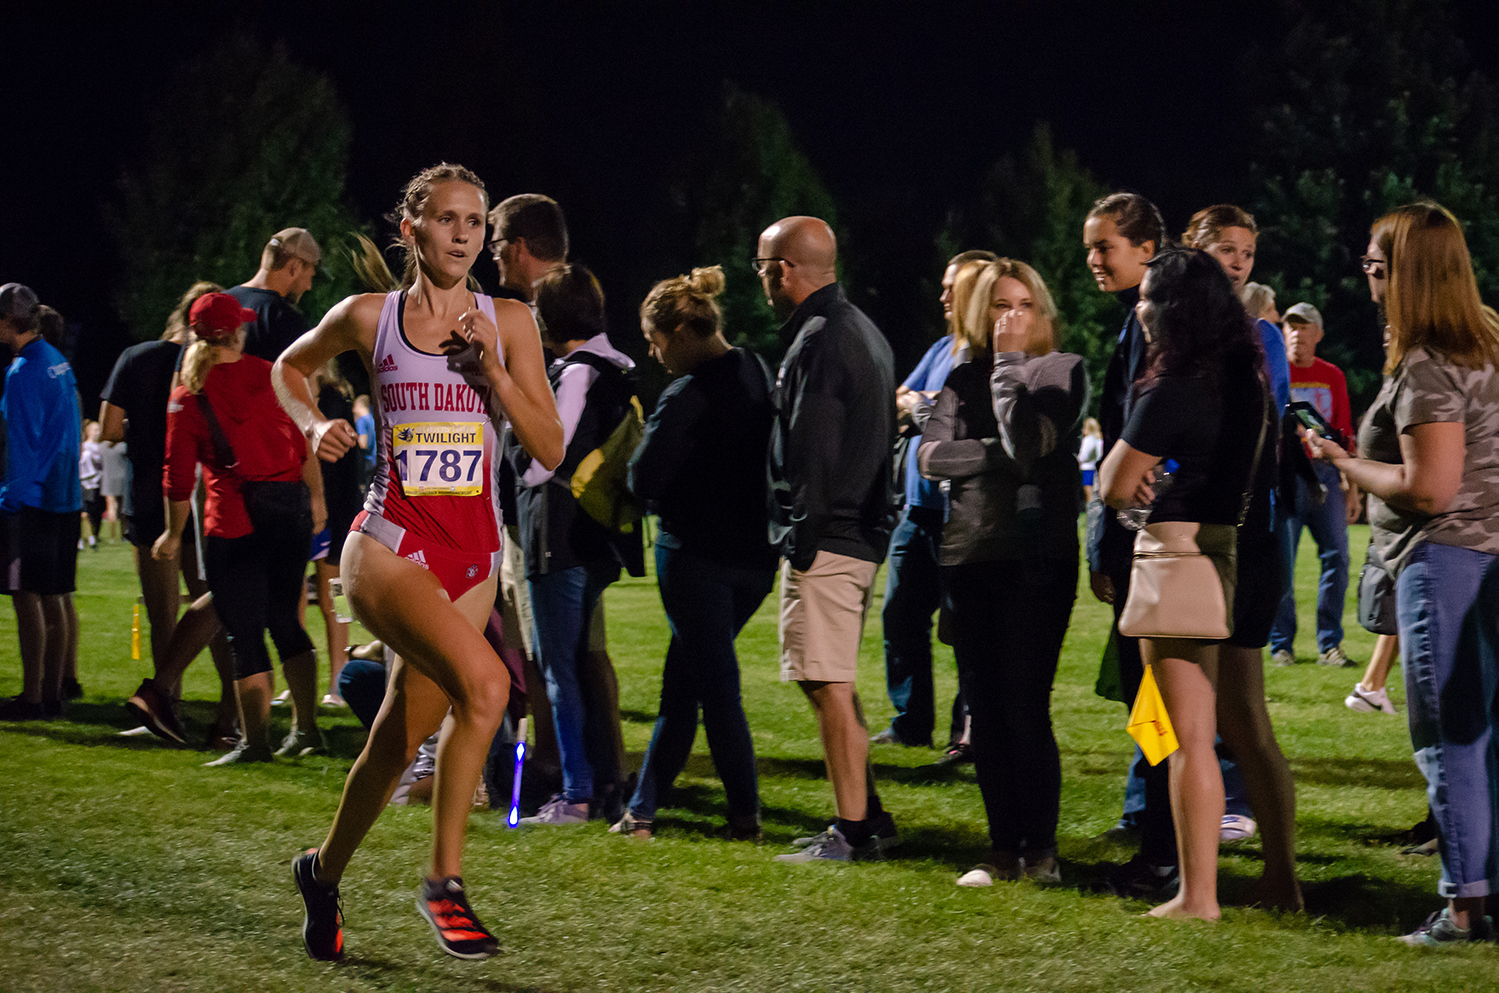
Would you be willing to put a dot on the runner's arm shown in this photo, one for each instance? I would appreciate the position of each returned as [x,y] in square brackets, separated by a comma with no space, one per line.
[348,326]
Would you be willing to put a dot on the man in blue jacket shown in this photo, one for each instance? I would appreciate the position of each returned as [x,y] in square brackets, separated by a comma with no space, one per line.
[829,482]
[40,501]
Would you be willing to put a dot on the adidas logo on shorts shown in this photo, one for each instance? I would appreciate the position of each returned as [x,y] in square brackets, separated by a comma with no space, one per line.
[387,364]
[418,558]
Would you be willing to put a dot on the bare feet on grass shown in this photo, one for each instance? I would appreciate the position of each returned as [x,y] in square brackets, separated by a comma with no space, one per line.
[1178,909]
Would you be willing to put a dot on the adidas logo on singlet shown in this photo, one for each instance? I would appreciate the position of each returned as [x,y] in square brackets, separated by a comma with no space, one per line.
[418,558]
[387,364]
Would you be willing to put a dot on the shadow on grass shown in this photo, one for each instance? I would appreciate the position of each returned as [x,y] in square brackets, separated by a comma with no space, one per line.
[385,972]
[1393,774]
[101,724]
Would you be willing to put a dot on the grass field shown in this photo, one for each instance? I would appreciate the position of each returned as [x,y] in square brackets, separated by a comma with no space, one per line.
[124,865]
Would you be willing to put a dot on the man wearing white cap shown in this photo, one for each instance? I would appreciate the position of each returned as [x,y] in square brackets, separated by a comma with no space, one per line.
[40,499]
[1321,384]
[287,265]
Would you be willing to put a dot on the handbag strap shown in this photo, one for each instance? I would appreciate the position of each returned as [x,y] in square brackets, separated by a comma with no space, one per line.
[221,446]
[1259,448]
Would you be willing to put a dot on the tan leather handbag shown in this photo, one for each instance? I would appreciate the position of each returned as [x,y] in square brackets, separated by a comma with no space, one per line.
[1182,582]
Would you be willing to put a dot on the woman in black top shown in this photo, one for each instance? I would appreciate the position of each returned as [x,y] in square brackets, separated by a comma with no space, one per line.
[1204,403]
[1005,432]
[701,467]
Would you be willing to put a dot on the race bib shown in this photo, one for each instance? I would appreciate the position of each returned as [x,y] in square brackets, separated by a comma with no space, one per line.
[439,458]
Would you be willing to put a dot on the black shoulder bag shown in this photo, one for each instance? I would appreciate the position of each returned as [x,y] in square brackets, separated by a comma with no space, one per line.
[272,504]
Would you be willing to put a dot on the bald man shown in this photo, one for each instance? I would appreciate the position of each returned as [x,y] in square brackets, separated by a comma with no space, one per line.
[829,480]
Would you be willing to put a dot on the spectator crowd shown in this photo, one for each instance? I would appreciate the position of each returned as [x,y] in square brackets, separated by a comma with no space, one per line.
[473,509]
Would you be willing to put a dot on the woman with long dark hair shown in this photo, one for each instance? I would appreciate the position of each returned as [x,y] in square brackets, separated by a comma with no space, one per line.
[1005,433]
[447,365]
[1430,447]
[1204,404]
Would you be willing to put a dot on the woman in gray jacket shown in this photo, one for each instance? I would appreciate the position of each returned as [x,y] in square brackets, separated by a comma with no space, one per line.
[1005,433]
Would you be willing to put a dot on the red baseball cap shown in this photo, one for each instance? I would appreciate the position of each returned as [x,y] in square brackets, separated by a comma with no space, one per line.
[217,315]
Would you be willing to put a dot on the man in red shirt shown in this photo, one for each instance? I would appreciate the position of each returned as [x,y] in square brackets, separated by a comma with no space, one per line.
[1321,384]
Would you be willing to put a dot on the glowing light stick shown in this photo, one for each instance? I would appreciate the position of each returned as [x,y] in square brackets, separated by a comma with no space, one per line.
[520,760]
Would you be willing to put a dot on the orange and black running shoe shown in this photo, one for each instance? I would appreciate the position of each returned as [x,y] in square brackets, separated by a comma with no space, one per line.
[323,927]
[444,905]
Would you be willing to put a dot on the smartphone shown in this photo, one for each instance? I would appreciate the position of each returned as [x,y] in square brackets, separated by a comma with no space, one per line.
[1313,421]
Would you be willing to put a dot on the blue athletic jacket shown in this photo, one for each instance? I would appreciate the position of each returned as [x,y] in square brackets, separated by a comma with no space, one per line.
[43,433]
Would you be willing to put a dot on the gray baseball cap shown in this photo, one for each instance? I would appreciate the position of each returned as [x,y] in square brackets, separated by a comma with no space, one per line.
[18,302]
[298,242]
[1303,312]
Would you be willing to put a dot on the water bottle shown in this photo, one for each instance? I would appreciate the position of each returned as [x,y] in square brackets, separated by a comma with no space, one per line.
[1134,518]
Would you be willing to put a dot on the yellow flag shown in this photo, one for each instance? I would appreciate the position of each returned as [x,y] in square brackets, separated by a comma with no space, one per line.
[1149,723]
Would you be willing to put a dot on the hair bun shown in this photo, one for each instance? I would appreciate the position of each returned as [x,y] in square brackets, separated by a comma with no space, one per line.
[708,281]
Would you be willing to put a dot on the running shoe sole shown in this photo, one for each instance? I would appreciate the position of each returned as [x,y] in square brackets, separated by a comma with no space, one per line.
[487,949]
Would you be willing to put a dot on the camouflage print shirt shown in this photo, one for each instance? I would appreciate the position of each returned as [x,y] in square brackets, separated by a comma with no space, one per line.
[1425,389]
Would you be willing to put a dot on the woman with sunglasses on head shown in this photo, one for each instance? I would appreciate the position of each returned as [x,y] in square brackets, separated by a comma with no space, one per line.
[1204,403]
[1005,433]
[1430,464]
[448,366]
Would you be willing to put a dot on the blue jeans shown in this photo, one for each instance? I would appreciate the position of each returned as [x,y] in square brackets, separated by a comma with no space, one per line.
[913,592]
[1328,523]
[561,603]
[706,605]
[1447,602]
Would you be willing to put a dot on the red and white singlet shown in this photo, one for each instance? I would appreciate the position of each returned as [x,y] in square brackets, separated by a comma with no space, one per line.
[434,470]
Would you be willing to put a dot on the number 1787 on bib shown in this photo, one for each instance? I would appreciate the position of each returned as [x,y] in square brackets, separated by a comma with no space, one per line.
[439,458]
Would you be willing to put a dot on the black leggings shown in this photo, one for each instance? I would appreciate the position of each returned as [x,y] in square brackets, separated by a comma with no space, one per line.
[255,581]
[1008,620]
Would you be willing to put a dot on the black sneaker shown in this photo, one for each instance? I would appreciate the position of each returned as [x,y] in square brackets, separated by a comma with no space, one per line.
[1138,879]
[882,825]
[18,708]
[459,933]
[71,690]
[323,927]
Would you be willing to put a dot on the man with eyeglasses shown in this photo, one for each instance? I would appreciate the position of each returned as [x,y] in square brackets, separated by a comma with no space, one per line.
[528,239]
[287,264]
[829,469]
[1322,384]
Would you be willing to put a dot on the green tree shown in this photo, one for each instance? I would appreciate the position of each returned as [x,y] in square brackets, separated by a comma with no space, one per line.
[1031,206]
[244,142]
[1365,105]
[746,174]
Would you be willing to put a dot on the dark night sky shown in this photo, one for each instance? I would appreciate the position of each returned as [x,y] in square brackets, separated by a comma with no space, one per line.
[901,107]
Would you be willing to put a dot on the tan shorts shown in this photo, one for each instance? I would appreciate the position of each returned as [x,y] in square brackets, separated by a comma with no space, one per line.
[822,618]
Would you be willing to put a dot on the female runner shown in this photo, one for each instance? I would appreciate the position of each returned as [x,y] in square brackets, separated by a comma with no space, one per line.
[419,566]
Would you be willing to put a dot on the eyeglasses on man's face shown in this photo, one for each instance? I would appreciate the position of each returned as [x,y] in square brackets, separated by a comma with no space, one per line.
[762,265]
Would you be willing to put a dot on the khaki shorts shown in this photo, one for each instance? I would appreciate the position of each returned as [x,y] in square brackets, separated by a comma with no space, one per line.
[822,618]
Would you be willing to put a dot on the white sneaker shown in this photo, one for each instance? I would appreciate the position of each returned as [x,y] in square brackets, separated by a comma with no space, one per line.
[977,876]
[1237,827]
[1368,701]
[282,699]
[558,811]
[1282,657]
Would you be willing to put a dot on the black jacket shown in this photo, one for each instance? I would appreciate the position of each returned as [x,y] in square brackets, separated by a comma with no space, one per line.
[830,446]
[555,533]
[1111,547]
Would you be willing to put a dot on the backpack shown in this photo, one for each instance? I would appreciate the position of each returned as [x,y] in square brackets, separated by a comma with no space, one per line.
[599,482]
